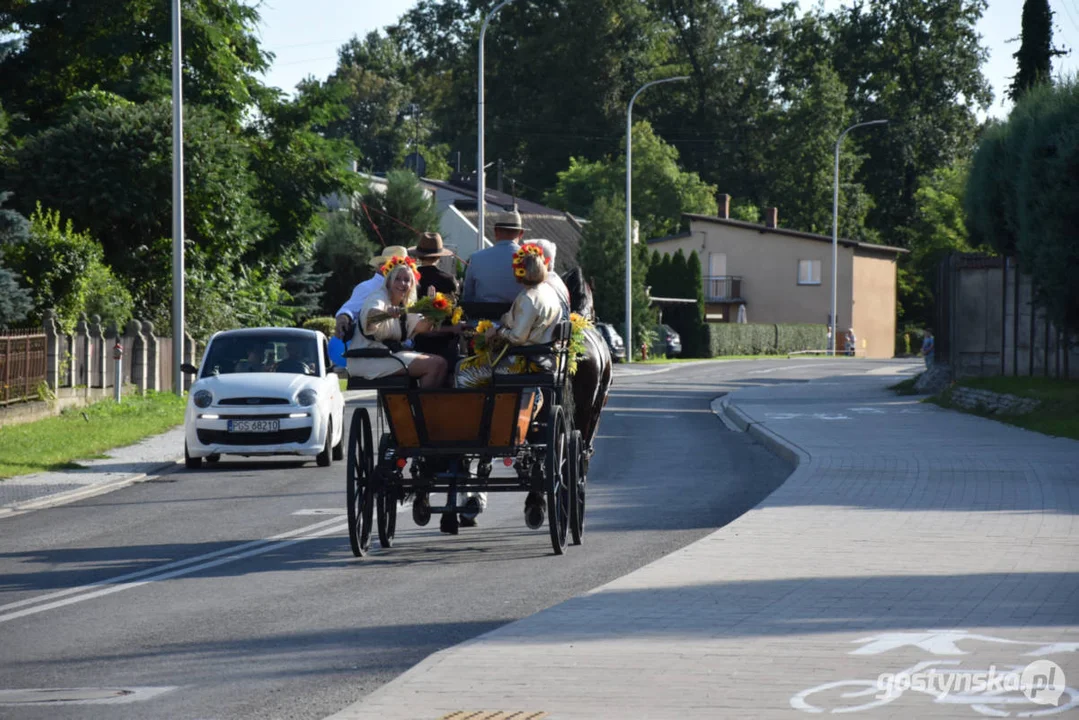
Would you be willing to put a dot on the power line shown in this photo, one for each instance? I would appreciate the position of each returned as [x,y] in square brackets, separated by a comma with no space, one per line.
[1067,11]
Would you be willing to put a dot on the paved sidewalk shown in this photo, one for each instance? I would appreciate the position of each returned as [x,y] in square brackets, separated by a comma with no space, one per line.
[152,456]
[908,534]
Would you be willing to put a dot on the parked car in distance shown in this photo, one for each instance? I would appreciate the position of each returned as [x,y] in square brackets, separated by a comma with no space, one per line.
[264,391]
[614,341]
[669,341]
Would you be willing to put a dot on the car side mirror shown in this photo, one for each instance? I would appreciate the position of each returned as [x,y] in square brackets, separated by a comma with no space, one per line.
[341,372]
[189,369]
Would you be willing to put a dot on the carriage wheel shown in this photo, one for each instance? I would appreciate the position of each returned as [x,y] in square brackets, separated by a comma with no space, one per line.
[358,481]
[386,501]
[557,480]
[576,487]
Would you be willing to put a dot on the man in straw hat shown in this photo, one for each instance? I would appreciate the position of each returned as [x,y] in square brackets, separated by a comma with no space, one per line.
[490,272]
[428,252]
[346,316]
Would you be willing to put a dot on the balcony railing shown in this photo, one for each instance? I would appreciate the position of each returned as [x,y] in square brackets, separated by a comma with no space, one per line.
[719,288]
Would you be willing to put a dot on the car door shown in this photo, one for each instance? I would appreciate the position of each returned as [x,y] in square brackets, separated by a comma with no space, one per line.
[332,385]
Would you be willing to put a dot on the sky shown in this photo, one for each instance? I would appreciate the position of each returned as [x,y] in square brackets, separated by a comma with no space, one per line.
[305,34]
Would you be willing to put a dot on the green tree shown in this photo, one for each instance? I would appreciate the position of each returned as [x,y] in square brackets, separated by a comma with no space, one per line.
[108,170]
[744,210]
[1020,196]
[1048,247]
[542,106]
[602,259]
[938,229]
[65,270]
[918,64]
[661,190]
[696,341]
[679,274]
[294,168]
[397,215]
[343,252]
[802,185]
[125,47]
[15,300]
[370,78]
[1036,52]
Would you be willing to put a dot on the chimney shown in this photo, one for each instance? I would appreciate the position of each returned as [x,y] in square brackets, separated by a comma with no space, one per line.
[724,202]
[771,217]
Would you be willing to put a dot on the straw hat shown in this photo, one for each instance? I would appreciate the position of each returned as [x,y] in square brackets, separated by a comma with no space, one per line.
[390,251]
[509,220]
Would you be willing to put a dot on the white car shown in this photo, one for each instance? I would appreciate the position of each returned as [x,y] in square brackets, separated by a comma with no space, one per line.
[264,391]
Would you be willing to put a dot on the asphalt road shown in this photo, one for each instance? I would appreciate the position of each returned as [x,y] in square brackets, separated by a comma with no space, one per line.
[231,592]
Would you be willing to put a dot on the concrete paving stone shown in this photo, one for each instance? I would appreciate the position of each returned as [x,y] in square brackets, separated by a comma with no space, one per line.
[894,523]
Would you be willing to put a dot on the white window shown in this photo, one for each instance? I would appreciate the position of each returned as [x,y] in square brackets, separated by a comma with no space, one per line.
[809,272]
[717,264]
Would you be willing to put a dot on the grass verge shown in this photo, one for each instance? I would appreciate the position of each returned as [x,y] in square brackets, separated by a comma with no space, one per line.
[1058,411]
[55,443]
[906,387]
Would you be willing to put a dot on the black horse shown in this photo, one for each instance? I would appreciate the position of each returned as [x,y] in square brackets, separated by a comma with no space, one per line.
[592,381]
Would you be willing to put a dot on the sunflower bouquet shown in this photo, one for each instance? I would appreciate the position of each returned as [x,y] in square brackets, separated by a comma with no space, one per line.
[577,346]
[436,309]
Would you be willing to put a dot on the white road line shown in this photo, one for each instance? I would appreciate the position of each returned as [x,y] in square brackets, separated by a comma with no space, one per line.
[175,573]
[169,566]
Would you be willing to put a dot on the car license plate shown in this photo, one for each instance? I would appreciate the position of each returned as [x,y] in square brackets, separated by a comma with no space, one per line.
[254,426]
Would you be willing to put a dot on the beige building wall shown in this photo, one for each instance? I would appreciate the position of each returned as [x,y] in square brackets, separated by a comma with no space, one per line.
[767,262]
[875,288]
[768,266]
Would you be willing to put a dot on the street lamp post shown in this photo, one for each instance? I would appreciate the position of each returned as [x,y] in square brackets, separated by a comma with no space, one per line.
[481,189]
[835,225]
[629,210]
[177,204]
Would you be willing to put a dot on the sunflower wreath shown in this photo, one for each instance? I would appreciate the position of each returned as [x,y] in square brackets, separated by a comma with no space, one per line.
[393,262]
[520,256]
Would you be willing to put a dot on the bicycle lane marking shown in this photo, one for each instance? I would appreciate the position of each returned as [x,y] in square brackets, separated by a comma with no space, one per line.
[170,570]
[992,690]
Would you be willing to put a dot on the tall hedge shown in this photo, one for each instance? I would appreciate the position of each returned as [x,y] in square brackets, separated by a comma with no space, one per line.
[1023,195]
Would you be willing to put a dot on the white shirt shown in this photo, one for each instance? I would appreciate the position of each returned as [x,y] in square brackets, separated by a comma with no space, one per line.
[360,293]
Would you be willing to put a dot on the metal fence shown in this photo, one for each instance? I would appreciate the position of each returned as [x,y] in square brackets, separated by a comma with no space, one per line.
[22,364]
[84,359]
[722,287]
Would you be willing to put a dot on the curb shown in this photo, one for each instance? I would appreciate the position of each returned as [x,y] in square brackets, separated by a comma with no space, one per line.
[736,419]
[70,496]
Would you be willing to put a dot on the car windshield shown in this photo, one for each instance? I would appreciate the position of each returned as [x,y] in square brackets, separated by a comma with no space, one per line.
[262,352]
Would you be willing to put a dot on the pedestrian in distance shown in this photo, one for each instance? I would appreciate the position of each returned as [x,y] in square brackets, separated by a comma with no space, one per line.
[927,348]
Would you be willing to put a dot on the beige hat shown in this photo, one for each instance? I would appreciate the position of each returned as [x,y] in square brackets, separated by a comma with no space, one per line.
[390,251]
[509,220]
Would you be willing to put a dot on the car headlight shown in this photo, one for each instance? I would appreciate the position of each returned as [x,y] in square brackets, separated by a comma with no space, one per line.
[307,397]
[203,399]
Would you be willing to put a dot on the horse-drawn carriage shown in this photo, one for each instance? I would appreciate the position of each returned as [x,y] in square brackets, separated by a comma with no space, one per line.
[429,439]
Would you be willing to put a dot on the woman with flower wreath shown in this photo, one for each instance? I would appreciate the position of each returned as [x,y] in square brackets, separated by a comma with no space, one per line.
[385,322]
[531,320]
